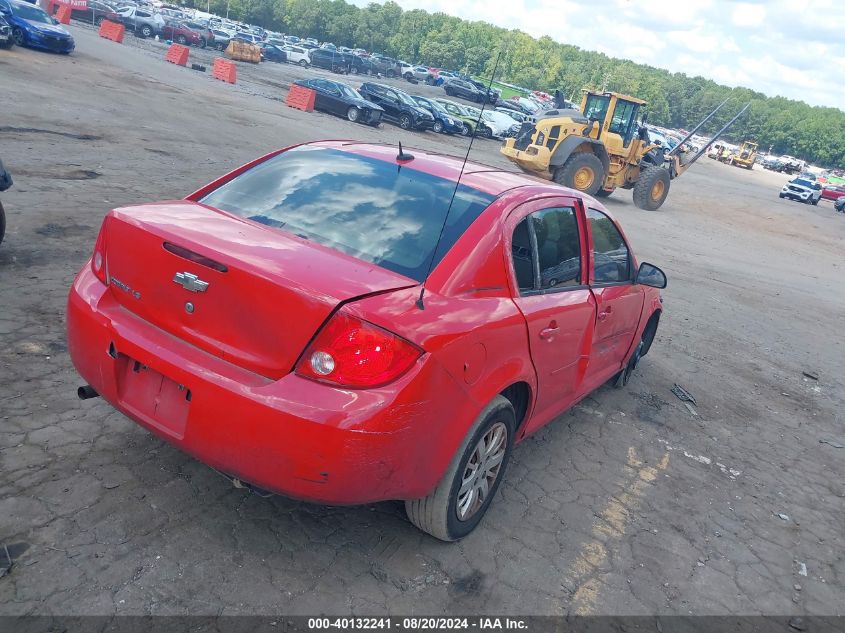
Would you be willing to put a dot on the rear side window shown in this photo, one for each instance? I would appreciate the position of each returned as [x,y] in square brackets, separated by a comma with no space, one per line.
[611,258]
[546,251]
[368,208]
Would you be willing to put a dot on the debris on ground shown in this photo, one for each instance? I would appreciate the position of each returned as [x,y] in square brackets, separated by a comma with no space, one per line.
[683,394]
[798,624]
[831,443]
[782,516]
[810,374]
[797,587]
[802,569]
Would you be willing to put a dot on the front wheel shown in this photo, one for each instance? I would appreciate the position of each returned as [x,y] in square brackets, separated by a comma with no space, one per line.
[390,74]
[405,122]
[460,500]
[2,223]
[203,42]
[651,189]
[182,40]
[99,20]
[17,36]
[146,31]
[582,171]
[353,114]
[438,127]
[303,63]
[466,130]
[219,46]
[621,379]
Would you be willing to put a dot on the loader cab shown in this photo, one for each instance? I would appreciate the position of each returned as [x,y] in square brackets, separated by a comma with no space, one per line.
[614,114]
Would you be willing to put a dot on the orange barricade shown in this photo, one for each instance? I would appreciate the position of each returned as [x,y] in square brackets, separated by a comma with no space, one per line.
[112,31]
[63,14]
[301,98]
[177,54]
[224,70]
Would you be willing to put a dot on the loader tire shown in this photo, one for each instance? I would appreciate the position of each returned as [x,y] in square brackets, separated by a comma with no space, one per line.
[651,189]
[582,171]
[604,193]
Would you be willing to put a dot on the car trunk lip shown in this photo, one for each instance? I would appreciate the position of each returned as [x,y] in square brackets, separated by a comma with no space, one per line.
[259,308]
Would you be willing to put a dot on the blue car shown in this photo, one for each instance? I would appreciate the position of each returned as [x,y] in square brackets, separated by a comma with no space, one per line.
[32,27]
[443,121]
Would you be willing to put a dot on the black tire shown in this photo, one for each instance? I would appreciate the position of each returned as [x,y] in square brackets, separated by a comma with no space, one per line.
[303,63]
[18,36]
[2,223]
[437,513]
[182,40]
[466,131]
[353,114]
[438,127]
[405,122]
[621,379]
[390,74]
[651,189]
[576,169]
[146,31]
[408,76]
[99,20]
[781,196]
[219,46]
[604,193]
[447,91]
[203,42]
[486,132]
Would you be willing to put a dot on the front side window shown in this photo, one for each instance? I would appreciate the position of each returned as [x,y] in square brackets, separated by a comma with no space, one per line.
[546,251]
[596,107]
[612,261]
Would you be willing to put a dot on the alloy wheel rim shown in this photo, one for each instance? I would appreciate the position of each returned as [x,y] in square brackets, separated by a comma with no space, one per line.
[584,178]
[481,471]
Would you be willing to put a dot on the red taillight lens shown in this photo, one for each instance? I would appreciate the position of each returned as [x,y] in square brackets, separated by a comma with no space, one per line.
[350,352]
[98,258]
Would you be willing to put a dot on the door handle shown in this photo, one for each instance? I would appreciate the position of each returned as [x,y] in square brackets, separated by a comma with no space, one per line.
[549,332]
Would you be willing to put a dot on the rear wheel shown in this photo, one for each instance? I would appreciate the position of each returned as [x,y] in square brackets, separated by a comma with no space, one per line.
[203,42]
[99,20]
[303,63]
[438,127]
[460,500]
[2,223]
[466,130]
[182,40]
[390,74]
[146,31]
[651,189]
[405,122]
[582,171]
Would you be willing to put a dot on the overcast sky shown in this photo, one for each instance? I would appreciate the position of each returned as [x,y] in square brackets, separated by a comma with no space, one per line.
[790,48]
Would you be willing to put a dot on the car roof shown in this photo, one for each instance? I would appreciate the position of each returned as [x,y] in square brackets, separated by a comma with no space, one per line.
[484,178]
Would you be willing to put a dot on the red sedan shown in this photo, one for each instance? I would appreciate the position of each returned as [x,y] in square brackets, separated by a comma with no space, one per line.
[833,192]
[323,323]
[182,34]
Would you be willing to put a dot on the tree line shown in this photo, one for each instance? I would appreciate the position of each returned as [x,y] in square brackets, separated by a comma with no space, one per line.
[812,133]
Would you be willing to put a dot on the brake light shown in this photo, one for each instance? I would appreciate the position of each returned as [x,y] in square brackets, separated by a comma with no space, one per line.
[351,352]
[98,257]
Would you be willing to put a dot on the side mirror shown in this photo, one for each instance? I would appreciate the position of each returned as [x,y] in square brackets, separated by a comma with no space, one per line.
[649,275]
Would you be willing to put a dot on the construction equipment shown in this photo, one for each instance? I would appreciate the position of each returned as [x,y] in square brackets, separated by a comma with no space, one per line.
[745,156]
[602,147]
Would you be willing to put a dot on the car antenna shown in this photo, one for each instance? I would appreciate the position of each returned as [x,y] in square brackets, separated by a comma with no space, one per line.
[402,155]
[419,301]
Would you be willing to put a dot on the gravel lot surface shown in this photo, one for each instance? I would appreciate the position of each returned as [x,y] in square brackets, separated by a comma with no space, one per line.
[631,503]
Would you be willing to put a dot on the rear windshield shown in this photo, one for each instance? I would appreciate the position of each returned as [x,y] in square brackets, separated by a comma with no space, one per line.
[373,210]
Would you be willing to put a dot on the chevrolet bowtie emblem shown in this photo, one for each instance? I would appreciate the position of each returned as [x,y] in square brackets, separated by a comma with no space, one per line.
[190,282]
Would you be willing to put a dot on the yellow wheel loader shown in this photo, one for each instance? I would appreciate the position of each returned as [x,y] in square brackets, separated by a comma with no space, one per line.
[745,156]
[602,147]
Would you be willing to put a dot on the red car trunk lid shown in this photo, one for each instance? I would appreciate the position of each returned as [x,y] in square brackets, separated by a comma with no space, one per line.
[267,291]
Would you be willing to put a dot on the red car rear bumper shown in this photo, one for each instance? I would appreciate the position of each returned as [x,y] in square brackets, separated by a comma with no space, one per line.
[292,436]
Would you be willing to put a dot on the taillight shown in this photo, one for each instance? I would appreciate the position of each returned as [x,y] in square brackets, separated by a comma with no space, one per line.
[98,258]
[350,352]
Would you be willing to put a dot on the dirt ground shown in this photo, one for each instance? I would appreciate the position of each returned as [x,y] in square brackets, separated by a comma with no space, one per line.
[629,504]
